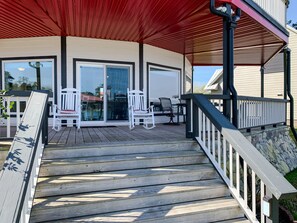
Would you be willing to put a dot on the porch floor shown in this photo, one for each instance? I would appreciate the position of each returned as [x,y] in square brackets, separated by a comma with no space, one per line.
[71,136]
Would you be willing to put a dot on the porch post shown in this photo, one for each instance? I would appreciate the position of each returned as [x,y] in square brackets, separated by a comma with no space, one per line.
[229,25]
[262,80]
[63,62]
[226,88]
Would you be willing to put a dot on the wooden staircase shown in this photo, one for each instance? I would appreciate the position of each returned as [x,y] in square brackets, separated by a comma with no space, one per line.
[144,182]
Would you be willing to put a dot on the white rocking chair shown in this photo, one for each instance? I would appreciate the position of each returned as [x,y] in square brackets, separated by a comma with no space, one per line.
[68,108]
[138,112]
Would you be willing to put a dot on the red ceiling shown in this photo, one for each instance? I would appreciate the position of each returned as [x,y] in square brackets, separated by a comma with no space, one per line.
[183,26]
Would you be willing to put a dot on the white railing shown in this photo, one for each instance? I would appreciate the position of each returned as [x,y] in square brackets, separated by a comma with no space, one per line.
[275,8]
[254,112]
[239,163]
[14,115]
[18,178]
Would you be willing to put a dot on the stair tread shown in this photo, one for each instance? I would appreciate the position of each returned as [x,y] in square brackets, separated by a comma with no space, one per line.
[129,193]
[112,175]
[113,158]
[116,144]
[159,212]
[237,220]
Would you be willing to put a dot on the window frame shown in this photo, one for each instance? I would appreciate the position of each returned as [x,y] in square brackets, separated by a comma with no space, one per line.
[52,59]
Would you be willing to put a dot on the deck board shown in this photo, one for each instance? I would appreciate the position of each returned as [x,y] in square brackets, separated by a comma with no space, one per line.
[72,136]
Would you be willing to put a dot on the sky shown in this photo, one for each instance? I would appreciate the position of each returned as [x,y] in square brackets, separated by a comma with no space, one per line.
[203,73]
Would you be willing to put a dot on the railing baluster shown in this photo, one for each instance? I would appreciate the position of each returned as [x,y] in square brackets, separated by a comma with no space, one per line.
[199,123]
[225,156]
[203,126]
[208,135]
[18,113]
[262,196]
[219,149]
[254,194]
[213,140]
[237,174]
[245,186]
[231,164]
[8,120]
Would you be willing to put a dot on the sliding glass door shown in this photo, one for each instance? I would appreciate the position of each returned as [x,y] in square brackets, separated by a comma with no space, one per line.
[103,92]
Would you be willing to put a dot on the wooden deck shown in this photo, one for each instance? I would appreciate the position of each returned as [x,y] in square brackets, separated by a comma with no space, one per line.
[71,136]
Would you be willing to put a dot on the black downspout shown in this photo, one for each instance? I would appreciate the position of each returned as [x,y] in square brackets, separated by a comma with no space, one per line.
[226,78]
[287,53]
[229,25]
[262,81]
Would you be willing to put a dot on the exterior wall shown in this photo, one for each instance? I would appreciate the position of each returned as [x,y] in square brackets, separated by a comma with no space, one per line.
[276,146]
[162,57]
[32,47]
[275,8]
[99,49]
[247,81]
[188,77]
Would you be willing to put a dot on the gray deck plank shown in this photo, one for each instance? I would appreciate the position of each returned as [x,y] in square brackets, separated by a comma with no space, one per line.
[72,136]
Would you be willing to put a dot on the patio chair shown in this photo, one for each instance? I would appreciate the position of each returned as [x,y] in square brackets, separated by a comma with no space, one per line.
[138,112]
[166,108]
[68,108]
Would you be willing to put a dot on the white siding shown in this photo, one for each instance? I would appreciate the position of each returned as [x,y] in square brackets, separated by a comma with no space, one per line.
[32,47]
[275,8]
[99,49]
[162,57]
[189,76]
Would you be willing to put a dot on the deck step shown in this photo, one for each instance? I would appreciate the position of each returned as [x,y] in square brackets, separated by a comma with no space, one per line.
[58,152]
[144,182]
[122,162]
[237,220]
[192,212]
[54,208]
[71,184]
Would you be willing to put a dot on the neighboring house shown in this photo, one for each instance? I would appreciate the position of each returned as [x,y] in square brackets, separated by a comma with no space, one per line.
[247,79]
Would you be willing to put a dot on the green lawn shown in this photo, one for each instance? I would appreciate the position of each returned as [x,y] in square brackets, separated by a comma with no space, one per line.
[291,204]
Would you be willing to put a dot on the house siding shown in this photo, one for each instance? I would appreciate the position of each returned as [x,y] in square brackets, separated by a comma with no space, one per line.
[248,79]
[99,49]
[32,47]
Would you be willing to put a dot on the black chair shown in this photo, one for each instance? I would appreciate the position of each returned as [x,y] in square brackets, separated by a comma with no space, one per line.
[166,107]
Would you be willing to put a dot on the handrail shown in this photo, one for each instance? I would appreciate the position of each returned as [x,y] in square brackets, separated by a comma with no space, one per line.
[19,176]
[262,99]
[216,135]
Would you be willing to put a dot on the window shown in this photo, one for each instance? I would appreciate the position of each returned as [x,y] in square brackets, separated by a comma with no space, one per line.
[163,82]
[27,75]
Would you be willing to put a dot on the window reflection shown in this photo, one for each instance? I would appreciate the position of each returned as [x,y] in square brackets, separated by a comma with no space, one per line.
[163,83]
[28,75]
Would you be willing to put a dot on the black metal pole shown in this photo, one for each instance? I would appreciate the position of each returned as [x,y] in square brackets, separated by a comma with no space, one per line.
[288,79]
[262,81]
[226,89]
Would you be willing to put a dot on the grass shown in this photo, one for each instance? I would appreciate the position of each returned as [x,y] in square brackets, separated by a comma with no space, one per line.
[291,204]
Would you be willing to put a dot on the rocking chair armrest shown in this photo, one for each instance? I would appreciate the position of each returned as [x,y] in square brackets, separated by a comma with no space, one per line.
[151,109]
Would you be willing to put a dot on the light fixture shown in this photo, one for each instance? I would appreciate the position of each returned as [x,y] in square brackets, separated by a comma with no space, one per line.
[266,206]
[21,69]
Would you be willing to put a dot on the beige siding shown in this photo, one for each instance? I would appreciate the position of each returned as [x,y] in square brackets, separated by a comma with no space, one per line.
[247,81]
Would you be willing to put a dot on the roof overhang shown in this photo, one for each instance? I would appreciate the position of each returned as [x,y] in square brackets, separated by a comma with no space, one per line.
[182,26]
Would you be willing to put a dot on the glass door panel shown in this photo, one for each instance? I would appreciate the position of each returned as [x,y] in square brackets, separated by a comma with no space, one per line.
[92,92]
[117,82]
